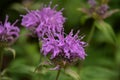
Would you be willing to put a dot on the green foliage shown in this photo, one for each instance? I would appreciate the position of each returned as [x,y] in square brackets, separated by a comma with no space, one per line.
[72,74]
[97,73]
[12,51]
[106,31]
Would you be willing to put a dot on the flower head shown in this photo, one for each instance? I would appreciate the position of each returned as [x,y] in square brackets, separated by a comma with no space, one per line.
[92,3]
[64,49]
[51,21]
[98,10]
[8,32]
[45,20]
[102,9]
[30,20]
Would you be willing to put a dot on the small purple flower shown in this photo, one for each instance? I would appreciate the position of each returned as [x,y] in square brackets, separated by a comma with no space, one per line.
[8,32]
[31,20]
[45,20]
[51,21]
[102,9]
[93,3]
[74,46]
[64,49]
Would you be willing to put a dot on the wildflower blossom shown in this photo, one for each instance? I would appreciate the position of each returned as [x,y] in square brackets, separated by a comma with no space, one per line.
[8,32]
[64,50]
[45,20]
[50,21]
[98,11]
[93,3]
[102,9]
[30,20]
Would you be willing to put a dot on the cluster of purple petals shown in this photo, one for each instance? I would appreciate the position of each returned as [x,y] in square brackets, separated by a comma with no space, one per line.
[103,9]
[8,32]
[70,47]
[47,23]
[93,3]
[45,20]
[30,20]
[99,9]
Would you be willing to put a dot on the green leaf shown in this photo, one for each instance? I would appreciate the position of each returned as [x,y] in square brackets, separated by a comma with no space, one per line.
[6,78]
[106,31]
[3,72]
[97,73]
[20,69]
[72,73]
[41,65]
[117,53]
[117,56]
[11,50]
[109,13]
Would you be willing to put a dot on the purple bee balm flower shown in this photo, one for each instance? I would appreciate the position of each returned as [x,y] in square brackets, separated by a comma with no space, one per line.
[93,3]
[64,49]
[45,20]
[74,46]
[102,9]
[51,21]
[8,32]
[31,20]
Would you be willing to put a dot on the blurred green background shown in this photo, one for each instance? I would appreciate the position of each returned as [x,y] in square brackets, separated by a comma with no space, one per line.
[102,62]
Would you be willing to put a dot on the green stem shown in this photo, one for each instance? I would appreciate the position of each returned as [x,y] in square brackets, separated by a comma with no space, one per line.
[1,61]
[58,74]
[91,34]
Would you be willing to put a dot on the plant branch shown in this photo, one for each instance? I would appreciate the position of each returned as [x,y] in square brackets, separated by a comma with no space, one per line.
[1,60]
[91,33]
[58,74]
